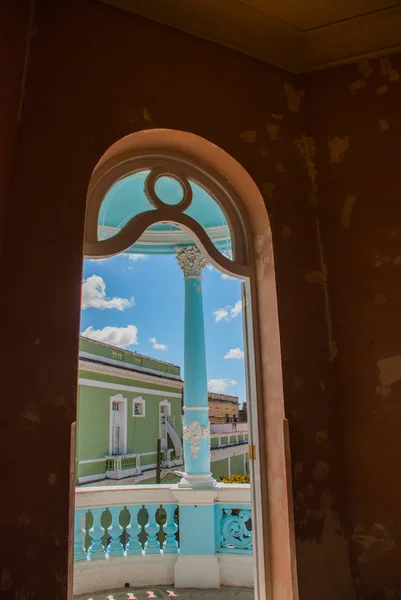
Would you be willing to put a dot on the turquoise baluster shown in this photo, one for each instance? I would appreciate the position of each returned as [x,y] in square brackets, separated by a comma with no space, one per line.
[170,545]
[97,532]
[134,529]
[152,545]
[115,547]
[79,536]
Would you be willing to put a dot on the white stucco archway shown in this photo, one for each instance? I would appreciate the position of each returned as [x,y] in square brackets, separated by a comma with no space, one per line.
[274,529]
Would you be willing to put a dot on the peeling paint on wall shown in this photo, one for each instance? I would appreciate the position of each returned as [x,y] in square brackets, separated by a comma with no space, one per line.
[276,116]
[357,85]
[263,151]
[30,416]
[383,390]
[297,471]
[272,131]
[146,114]
[379,299]
[383,124]
[314,277]
[268,189]
[338,147]
[331,548]
[327,306]
[378,538]
[382,89]
[364,67]
[389,369]
[321,436]
[321,471]
[387,69]
[248,137]
[346,211]
[279,166]
[293,97]
[382,260]
[307,148]
[25,519]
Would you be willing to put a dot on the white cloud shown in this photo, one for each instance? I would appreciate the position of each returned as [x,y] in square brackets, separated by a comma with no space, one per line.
[116,336]
[235,353]
[94,295]
[220,386]
[136,257]
[223,276]
[156,345]
[236,309]
[220,313]
[228,312]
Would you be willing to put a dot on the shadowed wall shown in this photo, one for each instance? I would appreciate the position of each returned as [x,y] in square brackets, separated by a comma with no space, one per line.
[96,74]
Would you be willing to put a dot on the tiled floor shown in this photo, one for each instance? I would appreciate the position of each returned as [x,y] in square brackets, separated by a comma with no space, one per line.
[168,592]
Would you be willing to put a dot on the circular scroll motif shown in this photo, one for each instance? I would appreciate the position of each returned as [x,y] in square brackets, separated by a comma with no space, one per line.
[157,202]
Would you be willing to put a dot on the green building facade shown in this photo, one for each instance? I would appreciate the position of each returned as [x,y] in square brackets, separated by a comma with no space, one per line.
[126,401]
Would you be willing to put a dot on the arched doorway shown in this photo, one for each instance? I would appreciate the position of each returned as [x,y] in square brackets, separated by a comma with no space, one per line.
[185,157]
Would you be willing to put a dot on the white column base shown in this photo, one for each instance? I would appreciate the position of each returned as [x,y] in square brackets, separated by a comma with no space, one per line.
[197,572]
[201,481]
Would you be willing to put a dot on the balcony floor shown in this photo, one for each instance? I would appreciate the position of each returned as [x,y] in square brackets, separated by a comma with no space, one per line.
[224,593]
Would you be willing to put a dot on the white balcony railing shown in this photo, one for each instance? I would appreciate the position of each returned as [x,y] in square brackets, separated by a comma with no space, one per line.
[131,535]
[228,427]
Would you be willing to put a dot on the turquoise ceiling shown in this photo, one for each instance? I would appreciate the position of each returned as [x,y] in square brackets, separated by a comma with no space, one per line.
[127,198]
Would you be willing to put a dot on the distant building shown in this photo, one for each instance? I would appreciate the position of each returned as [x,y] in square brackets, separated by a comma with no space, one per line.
[125,402]
[243,413]
[223,408]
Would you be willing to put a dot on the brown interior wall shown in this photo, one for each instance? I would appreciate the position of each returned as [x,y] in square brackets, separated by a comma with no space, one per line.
[95,75]
[354,120]
[14,19]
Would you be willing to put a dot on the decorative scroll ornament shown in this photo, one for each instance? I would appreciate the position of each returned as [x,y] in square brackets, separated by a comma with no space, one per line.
[194,432]
[191,261]
[234,529]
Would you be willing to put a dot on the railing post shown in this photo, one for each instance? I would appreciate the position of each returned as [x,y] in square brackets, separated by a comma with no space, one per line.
[197,564]
[152,545]
[170,545]
[115,548]
[134,529]
[79,535]
[97,549]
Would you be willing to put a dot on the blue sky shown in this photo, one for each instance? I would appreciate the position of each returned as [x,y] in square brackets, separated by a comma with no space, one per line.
[137,302]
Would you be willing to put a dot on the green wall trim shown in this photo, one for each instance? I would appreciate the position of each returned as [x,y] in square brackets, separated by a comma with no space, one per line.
[130,382]
[139,360]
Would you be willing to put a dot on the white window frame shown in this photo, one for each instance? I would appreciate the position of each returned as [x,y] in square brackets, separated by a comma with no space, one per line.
[142,402]
[118,398]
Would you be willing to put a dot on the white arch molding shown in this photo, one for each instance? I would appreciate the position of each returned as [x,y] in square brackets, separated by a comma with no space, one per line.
[240,199]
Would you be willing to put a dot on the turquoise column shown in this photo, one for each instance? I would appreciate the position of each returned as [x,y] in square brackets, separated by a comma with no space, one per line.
[196,429]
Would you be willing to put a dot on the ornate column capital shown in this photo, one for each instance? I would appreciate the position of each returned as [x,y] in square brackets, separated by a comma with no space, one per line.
[191,261]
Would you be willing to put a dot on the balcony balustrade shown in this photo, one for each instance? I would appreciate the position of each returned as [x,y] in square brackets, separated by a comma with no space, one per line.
[131,535]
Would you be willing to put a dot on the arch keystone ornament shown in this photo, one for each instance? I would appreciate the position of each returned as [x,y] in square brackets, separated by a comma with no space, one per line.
[190,158]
